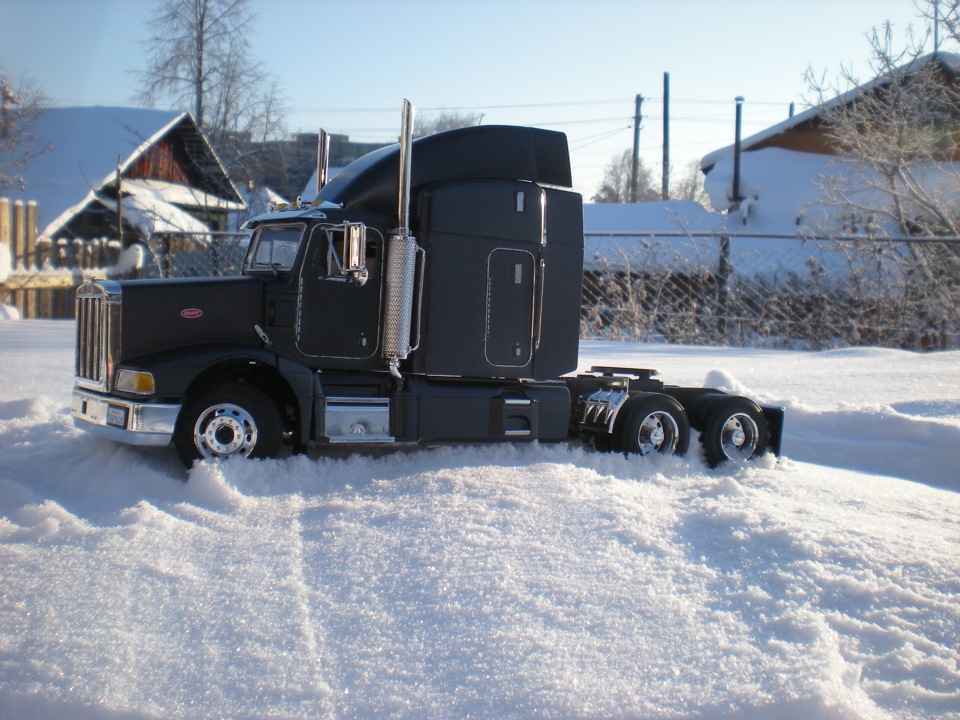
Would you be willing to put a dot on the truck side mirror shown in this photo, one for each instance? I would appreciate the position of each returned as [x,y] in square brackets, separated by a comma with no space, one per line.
[354,249]
[347,252]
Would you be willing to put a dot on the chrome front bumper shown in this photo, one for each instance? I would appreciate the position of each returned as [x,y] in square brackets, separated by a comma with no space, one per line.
[124,421]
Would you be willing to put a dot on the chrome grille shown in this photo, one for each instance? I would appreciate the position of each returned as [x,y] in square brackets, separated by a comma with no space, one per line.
[97,311]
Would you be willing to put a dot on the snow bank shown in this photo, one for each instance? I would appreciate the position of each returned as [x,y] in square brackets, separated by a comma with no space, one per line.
[8,312]
[512,582]
[6,263]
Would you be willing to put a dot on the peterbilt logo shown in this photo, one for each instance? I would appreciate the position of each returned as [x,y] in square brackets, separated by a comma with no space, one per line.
[191,313]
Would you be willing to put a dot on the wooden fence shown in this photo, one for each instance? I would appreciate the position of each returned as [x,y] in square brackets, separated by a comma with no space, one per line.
[44,275]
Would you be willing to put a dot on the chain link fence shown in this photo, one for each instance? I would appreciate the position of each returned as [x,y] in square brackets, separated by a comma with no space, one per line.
[781,291]
[181,255]
[735,289]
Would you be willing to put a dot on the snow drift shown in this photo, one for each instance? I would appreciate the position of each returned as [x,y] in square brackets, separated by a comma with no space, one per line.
[512,581]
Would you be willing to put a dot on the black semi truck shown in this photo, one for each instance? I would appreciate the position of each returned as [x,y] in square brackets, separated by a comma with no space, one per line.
[430,294]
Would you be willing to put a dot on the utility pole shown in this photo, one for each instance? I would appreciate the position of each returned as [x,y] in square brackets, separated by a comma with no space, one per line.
[725,265]
[635,167]
[665,189]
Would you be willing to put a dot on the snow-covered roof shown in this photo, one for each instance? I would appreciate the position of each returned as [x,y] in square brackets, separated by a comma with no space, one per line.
[84,146]
[949,61]
[780,189]
[652,217]
[786,192]
[180,194]
[150,215]
[618,235]
[768,232]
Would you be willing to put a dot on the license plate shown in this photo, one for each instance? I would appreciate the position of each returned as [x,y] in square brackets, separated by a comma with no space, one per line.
[117,416]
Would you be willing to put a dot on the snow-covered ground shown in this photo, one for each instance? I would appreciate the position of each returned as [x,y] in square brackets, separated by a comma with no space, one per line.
[507,582]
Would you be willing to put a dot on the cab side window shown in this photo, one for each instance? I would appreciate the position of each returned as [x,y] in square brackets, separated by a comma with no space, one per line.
[277,247]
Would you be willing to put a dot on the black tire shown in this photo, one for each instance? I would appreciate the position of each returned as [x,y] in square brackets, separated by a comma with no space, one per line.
[693,401]
[653,423]
[734,429]
[603,442]
[227,421]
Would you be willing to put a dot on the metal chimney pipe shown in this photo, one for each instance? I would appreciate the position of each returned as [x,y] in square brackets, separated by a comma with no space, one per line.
[736,151]
[665,177]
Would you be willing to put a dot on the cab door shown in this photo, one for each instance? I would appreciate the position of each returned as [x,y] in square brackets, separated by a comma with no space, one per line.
[337,316]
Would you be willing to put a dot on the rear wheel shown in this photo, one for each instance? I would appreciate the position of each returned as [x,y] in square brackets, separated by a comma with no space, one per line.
[653,423]
[228,421]
[734,429]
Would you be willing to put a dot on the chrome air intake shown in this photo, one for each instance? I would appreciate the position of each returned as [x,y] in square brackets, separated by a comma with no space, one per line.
[400,274]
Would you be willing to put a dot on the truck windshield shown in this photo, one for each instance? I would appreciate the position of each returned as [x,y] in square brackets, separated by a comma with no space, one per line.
[276,247]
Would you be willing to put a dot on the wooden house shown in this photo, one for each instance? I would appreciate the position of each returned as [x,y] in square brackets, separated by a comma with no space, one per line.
[784,169]
[158,164]
[805,132]
[110,192]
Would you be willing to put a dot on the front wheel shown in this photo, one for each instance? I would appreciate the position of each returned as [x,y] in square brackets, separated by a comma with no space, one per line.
[654,423]
[228,421]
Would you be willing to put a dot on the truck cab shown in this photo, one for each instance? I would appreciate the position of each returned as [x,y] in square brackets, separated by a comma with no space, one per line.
[303,347]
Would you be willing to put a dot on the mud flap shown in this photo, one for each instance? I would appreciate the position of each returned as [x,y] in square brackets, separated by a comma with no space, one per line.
[774,417]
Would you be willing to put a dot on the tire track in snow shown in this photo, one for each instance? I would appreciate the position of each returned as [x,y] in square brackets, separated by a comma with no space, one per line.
[318,653]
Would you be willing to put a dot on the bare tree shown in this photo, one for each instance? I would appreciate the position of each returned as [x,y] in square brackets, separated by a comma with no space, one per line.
[615,187]
[199,59]
[21,103]
[444,121]
[690,186]
[897,138]
[898,143]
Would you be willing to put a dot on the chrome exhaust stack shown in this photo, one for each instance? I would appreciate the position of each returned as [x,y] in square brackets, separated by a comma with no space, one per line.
[401,262]
[323,159]
[406,141]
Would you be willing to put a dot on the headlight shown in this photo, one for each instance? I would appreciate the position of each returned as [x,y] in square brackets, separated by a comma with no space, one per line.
[135,381]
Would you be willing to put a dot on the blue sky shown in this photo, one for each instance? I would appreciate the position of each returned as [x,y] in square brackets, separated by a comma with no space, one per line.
[569,65]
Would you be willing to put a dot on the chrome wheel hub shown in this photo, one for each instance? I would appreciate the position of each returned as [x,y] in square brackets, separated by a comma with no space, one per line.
[739,437]
[658,433]
[225,430]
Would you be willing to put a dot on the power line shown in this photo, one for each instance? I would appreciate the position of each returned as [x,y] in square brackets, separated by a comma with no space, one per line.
[581,122]
[584,142]
[452,108]
[518,106]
